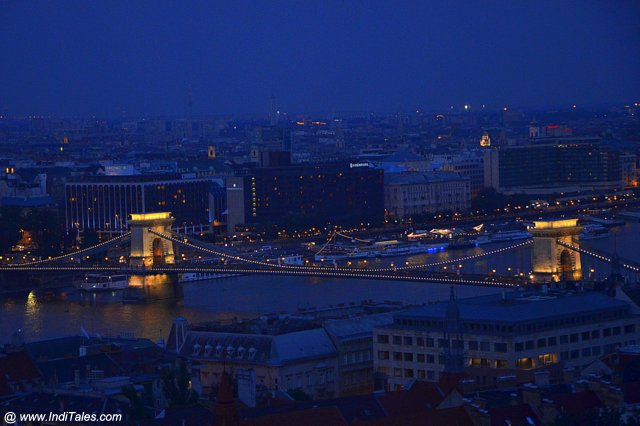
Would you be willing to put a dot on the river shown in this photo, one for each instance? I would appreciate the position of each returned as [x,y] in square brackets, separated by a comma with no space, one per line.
[248,296]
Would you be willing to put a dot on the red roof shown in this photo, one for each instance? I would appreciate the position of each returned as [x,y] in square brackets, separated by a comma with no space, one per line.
[456,416]
[16,367]
[631,392]
[319,416]
[515,415]
[420,397]
[578,403]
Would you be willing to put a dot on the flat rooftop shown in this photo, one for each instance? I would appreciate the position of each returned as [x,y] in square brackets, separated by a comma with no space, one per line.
[517,307]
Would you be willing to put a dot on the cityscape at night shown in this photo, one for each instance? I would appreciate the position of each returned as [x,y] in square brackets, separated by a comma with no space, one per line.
[323,213]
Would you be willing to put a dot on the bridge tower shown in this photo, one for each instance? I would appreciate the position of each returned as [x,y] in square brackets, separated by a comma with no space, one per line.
[147,249]
[550,260]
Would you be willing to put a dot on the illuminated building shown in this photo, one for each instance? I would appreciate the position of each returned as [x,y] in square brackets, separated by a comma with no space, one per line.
[485,140]
[553,165]
[509,331]
[301,196]
[412,194]
[103,203]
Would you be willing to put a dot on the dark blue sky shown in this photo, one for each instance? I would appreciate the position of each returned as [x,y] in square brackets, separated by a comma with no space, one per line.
[100,58]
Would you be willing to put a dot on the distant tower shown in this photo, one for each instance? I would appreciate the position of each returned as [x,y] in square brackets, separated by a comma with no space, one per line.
[190,103]
[211,152]
[400,128]
[485,140]
[454,350]
[273,112]
[339,135]
[534,129]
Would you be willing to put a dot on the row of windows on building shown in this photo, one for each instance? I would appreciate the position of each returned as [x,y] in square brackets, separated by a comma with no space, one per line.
[356,357]
[311,379]
[519,346]
[409,373]
[437,325]
[523,363]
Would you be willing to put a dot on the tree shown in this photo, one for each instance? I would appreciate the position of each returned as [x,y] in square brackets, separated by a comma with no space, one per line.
[135,410]
[176,385]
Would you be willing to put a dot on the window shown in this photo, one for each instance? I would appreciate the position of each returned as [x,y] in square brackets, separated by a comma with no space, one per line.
[431,375]
[397,372]
[586,352]
[397,340]
[420,357]
[606,332]
[422,374]
[575,354]
[551,341]
[564,356]
[473,345]
[442,343]
[595,334]
[500,347]
[586,335]
[408,340]
[408,372]
[616,331]
[397,356]
[528,344]
[519,347]
[564,339]
[542,343]
[485,346]
[383,338]
[420,341]
[408,356]
[431,359]
[383,354]
[573,337]
[429,342]
[629,328]
[595,351]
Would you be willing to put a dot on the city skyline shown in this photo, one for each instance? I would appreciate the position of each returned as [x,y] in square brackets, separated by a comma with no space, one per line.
[159,59]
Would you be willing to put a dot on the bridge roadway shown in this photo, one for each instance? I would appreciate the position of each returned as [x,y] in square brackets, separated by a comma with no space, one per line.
[414,276]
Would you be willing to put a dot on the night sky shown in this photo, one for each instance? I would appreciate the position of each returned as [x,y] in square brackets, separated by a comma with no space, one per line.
[83,58]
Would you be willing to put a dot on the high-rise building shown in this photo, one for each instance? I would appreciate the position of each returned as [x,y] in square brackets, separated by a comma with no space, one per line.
[300,196]
[103,203]
[553,165]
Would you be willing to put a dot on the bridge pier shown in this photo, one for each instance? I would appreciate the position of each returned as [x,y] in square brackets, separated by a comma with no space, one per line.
[551,261]
[149,250]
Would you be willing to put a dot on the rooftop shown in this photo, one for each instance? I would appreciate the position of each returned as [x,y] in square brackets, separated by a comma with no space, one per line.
[516,307]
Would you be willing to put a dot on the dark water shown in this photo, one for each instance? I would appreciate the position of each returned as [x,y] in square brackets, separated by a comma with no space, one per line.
[247,296]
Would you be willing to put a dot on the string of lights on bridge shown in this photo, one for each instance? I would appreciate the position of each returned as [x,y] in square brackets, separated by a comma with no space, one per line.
[75,253]
[379,273]
[324,268]
[596,255]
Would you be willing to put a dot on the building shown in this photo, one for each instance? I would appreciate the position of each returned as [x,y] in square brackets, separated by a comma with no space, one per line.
[411,194]
[553,165]
[508,331]
[469,165]
[302,359]
[302,196]
[103,203]
[353,340]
